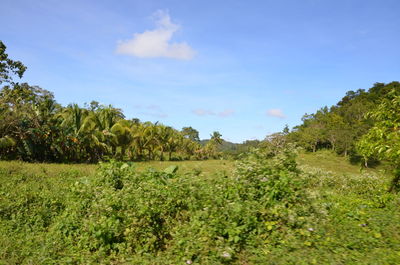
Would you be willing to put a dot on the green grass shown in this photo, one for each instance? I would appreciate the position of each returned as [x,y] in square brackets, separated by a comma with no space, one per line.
[357,222]
[328,161]
[362,223]
[206,167]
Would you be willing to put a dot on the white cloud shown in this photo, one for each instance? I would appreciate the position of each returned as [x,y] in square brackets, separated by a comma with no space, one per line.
[157,42]
[259,127]
[155,114]
[205,112]
[151,110]
[276,113]
[226,113]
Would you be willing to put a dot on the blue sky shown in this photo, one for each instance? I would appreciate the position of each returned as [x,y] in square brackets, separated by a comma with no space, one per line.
[244,68]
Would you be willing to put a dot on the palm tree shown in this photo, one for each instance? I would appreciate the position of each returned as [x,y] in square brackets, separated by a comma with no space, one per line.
[82,130]
[216,138]
[137,145]
[150,139]
[174,142]
[164,134]
[105,117]
[122,133]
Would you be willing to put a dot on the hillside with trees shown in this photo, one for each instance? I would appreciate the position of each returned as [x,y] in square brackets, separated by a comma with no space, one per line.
[342,125]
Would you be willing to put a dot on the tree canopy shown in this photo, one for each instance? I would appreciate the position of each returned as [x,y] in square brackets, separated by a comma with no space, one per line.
[8,67]
[383,139]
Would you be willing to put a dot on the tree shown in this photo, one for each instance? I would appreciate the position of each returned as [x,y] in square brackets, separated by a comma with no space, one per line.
[34,127]
[27,115]
[123,136]
[175,141]
[164,134]
[216,138]
[137,145]
[190,133]
[383,139]
[339,133]
[211,147]
[312,131]
[9,67]
[275,142]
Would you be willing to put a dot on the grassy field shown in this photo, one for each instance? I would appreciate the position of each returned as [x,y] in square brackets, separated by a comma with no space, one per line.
[206,167]
[355,221]
[324,161]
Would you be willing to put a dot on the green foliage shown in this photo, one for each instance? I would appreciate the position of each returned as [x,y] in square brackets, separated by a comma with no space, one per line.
[125,215]
[383,139]
[342,125]
[35,128]
[126,212]
[190,133]
[9,67]
[268,211]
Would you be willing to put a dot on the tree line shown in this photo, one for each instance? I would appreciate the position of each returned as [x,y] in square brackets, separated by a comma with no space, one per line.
[34,127]
[364,126]
[341,126]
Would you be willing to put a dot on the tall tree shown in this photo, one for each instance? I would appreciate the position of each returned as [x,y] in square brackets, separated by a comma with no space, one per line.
[216,138]
[190,133]
[9,67]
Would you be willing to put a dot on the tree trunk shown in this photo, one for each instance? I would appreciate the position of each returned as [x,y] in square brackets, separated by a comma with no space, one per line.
[123,151]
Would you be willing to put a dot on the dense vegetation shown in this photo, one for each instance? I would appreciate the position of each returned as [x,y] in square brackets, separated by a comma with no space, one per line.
[263,210]
[34,127]
[266,210]
[341,126]
[364,125]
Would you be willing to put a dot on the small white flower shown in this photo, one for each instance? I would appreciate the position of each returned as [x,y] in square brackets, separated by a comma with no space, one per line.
[226,255]
[189,261]
[311,229]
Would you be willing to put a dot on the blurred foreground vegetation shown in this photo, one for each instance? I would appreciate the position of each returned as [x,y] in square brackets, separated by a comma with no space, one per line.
[263,209]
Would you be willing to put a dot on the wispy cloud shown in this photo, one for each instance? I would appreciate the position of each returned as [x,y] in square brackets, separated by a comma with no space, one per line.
[278,113]
[205,112]
[157,42]
[153,107]
[149,107]
[151,110]
[226,113]
[155,114]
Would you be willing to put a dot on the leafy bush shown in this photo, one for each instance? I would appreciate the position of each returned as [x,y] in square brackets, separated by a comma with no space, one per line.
[123,213]
[266,212]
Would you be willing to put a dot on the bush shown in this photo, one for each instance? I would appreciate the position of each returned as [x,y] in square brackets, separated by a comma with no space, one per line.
[123,213]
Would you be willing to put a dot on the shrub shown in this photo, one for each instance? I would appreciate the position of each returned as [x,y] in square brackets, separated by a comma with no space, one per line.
[124,213]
